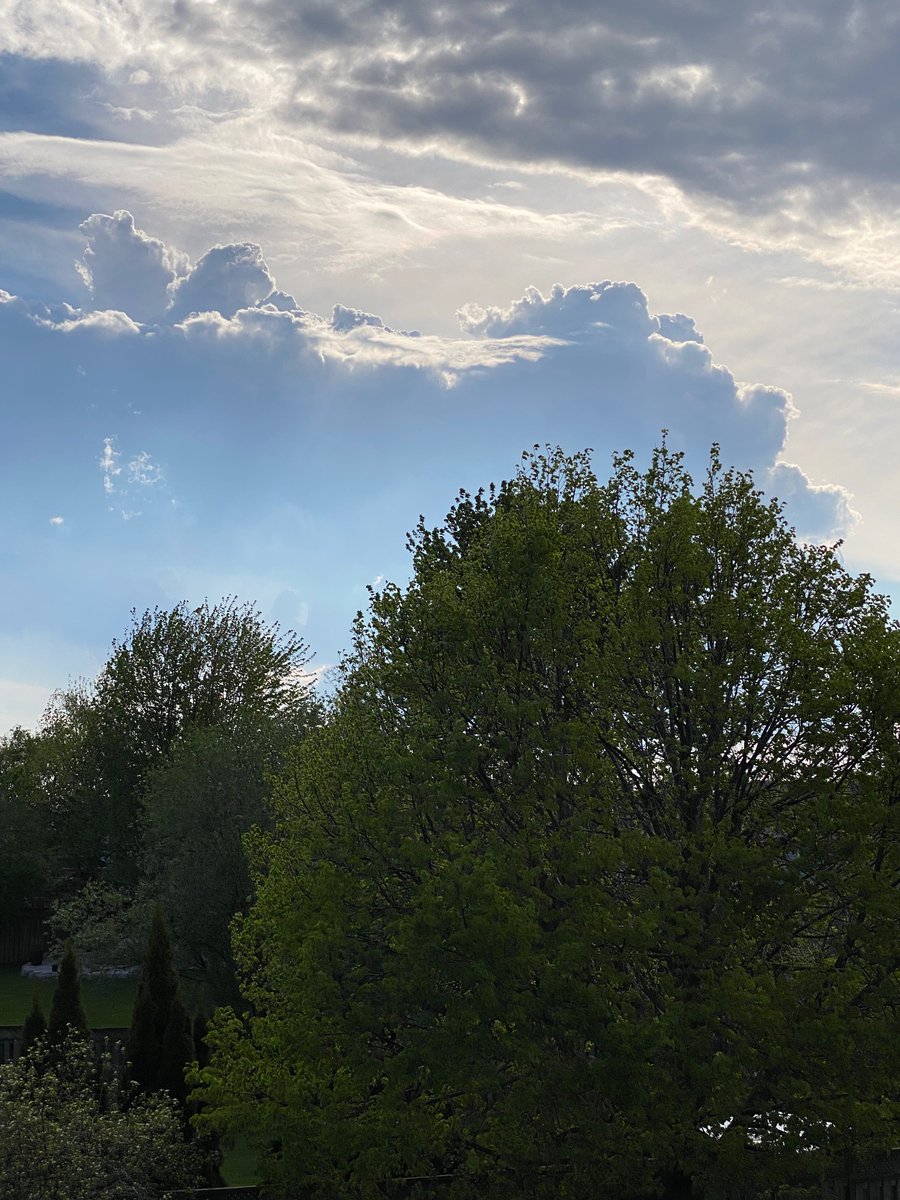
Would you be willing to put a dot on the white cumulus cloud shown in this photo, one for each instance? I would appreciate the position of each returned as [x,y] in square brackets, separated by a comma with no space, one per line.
[224,280]
[126,269]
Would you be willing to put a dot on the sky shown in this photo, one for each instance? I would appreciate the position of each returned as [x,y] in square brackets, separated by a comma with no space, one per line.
[279,276]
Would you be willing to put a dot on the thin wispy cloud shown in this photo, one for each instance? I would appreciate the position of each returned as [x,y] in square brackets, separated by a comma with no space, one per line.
[109,465]
[125,480]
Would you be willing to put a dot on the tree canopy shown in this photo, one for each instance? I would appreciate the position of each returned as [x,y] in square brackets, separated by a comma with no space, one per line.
[179,670]
[188,667]
[25,857]
[149,777]
[592,873]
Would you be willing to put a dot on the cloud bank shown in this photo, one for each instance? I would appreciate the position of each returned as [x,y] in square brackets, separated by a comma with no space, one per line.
[584,364]
[210,436]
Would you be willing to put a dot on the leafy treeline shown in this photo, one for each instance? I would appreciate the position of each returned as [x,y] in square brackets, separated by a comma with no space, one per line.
[139,787]
[589,884]
[585,883]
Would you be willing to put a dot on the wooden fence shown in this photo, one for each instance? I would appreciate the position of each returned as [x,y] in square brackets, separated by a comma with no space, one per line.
[21,939]
[106,1041]
[250,1192]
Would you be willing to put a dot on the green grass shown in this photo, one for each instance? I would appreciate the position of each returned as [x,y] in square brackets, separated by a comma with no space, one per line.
[107,1002]
[239,1164]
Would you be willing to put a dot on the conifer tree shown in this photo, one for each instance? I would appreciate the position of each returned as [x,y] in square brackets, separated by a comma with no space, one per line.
[66,1009]
[159,1042]
[176,1051]
[35,1023]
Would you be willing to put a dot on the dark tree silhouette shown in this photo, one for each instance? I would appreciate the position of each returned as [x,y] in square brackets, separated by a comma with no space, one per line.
[159,1042]
[66,1009]
[35,1024]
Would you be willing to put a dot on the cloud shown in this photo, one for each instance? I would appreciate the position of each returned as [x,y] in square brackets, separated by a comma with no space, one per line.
[143,472]
[57,520]
[818,511]
[225,279]
[729,100]
[678,328]
[574,312]
[300,446]
[109,465]
[617,372]
[123,484]
[126,269]
[635,373]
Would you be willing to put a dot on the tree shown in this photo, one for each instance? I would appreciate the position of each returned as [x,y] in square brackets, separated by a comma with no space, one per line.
[159,1045]
[24,850]
[67,1128]
[197,806]
[183,669]
[84,829]
[110,924]
[35,1026]
[176,673]
[592,872]
[202,667]
[66,1010]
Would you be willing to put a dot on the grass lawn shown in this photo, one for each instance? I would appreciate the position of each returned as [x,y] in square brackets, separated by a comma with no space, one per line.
[107,1002]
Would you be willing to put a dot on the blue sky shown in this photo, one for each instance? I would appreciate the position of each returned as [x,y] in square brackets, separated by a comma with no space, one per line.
[277,278]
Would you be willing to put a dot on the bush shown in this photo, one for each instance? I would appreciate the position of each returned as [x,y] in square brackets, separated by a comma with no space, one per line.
[68,1128]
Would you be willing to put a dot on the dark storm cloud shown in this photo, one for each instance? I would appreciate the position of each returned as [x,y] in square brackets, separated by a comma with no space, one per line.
[788,100]
[740,100]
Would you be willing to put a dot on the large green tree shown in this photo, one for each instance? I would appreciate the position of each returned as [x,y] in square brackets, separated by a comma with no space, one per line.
[85,831]
[183,669]
[589,885]
[187,667]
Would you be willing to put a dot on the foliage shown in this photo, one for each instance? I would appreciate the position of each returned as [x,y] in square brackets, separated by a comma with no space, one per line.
[197,806]
[66,1011]
[85,827]
[184,668]
[35,1026]
[159,1045]
[176,670]
[108,924]
[164,755]
[25,866]
[67,1128]
[592,873]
